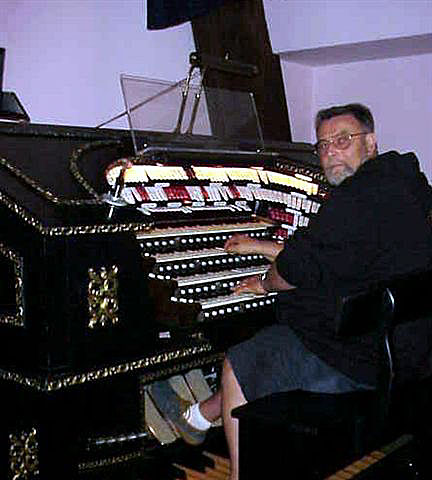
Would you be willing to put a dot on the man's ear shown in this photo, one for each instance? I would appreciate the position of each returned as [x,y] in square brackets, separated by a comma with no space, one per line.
[371,144]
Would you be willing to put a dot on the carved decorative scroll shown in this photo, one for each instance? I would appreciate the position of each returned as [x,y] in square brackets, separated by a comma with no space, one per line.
[16,318]
[23,455]
[102,297]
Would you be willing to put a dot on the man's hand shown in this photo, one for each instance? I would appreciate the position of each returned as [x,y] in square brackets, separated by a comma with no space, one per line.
[250,285]
[242,244]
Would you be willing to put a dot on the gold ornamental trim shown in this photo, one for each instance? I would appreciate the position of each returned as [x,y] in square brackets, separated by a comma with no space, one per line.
[94,229]
[107,462]
[148,377]
[31,220]
[76,156]
[23,455]
[67,381]
[43,192]
[102,296]
[16,320]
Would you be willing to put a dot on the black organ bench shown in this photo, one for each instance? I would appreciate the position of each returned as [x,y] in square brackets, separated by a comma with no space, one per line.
[311,435]
[113,275]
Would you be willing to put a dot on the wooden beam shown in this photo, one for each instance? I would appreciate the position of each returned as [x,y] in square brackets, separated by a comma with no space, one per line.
[237,30]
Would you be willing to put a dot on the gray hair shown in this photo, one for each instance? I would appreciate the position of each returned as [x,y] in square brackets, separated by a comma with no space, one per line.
[361,113]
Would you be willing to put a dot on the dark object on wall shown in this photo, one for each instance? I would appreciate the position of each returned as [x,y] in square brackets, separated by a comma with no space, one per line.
[238,31]
[235,31]
[10,106]
[167,13]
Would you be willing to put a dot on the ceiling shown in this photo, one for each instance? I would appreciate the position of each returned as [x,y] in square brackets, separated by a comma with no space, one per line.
[358,52]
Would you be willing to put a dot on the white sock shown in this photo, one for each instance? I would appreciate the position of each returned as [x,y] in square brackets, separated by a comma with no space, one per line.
[195,418]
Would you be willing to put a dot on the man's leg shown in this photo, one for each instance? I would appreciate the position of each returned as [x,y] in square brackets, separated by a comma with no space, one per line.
[211,409]
[202,415]
[190,420]
[232,397]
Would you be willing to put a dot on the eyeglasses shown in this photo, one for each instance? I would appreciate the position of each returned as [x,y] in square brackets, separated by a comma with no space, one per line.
[341,142]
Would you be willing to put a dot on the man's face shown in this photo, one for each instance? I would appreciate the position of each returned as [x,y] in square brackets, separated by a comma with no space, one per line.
[339,164]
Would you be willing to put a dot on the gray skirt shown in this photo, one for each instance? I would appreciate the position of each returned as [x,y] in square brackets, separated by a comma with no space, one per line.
[275,360]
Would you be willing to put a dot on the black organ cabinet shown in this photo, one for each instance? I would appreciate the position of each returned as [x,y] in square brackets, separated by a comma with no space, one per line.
[113,275]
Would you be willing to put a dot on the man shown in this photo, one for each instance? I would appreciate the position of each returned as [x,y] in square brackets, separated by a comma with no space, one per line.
[373,226]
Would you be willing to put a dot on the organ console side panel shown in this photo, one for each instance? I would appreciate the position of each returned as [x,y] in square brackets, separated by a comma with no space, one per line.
[78,282]
[113,275]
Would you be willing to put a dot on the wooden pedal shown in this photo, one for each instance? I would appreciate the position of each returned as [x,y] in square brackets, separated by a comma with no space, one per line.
[220,470]
[352,470]
[156,424]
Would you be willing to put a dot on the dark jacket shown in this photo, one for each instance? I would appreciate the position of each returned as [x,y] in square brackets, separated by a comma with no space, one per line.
[373,227]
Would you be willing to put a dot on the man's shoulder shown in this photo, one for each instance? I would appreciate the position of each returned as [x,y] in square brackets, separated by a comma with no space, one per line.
[390,164]
[390,170]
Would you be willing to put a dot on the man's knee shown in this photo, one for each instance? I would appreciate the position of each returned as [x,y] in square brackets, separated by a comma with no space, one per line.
[228,371]
[231,387]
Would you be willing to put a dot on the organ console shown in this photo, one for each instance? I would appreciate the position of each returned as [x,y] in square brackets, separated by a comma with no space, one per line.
[188,271]
[113,275]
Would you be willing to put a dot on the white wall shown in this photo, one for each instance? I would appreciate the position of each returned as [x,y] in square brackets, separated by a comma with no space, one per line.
[299,89]
[398,91]
[304,24]
[64,57]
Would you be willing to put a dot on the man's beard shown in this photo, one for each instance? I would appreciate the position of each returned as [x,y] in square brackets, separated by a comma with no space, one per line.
[341,173]
[335,178]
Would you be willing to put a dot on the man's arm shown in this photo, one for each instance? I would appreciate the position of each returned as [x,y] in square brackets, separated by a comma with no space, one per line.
[244,244]
[258,284]
[261,284]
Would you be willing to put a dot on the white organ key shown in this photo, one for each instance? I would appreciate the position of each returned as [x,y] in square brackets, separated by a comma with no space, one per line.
[229,300]
[289,200]
[220,276]
[279,196]
[245,192]
[136,194]
[225,192]
[212,192]
[161,193]
[189,254]
[128,194]
[195,193]
[197,254]
[315,207]
[154,193]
